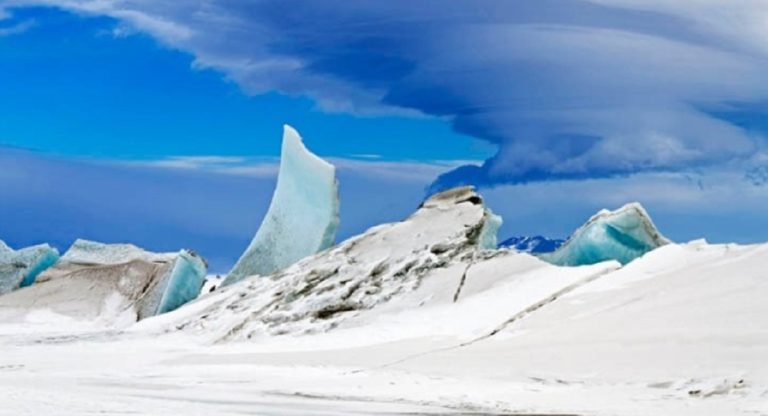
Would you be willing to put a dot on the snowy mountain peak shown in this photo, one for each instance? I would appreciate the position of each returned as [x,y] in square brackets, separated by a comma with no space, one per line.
[532,244]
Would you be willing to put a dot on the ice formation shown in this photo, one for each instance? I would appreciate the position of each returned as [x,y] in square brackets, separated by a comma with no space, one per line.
[20,268]
[302,217]
[88,252]
[92,276]
[622,235]
[183,281]
[439,243]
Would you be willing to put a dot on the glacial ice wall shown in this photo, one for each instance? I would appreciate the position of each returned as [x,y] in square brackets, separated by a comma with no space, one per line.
[302,218]
[622,235]
[20,268]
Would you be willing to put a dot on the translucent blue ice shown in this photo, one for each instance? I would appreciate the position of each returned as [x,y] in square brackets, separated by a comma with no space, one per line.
[184,281]
[489,233]
[155,282]
[302,218]
[20,268]
[622,235]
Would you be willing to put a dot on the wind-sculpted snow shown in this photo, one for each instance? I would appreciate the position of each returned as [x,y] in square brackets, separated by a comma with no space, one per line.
[622,235]
[114,284]
[20,268]
[390,260]
[302,218]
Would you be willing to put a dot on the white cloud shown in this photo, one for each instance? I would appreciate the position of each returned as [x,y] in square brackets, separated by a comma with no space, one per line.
[17,28]
[565,88]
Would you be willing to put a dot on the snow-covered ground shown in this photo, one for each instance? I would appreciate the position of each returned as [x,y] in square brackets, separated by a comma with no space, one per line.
[415,318]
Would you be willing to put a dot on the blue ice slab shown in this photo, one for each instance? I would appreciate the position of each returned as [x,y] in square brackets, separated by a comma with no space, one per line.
[302,218]
[183,285]
[622,235]
[489,233]
[20,268]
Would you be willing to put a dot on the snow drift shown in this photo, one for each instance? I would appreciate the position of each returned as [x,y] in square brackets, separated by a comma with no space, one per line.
[414,312]
[302,218]
[393,272]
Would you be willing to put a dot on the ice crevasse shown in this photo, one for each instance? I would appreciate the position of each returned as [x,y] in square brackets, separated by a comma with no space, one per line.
[302,218]
[20,268]
[622,235]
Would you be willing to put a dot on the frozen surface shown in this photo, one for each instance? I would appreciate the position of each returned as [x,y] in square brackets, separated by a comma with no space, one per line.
[622,235]
[437,245]
[413,317]
[302,218]
[20,268]
[110,284]
[185,279]
[93,252]
[489,234]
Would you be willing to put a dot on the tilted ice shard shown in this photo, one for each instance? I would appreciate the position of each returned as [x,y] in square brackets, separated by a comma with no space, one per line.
[20,268]
[622,235]
[183,282]
[302,218]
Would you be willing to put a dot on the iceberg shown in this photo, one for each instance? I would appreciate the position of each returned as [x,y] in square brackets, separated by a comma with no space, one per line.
[302,218]
[20,268]
[145,283]
[622,235]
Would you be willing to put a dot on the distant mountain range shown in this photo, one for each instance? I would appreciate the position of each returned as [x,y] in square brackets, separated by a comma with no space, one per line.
[532,244]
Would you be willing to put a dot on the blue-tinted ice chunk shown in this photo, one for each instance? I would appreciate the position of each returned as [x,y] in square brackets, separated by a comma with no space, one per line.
[489,233]
[622,235]
[20,268]
[302,218]
[184,281]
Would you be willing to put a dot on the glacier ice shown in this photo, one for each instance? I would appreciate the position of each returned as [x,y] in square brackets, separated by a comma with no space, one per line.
[149,283]
[20,268]
[302,218]
[622,235]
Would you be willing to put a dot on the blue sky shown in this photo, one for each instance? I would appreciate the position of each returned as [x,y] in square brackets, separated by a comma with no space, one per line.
[159,122]
[69,86]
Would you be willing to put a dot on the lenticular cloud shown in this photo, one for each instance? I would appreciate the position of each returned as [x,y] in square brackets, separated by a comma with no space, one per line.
[565,89]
